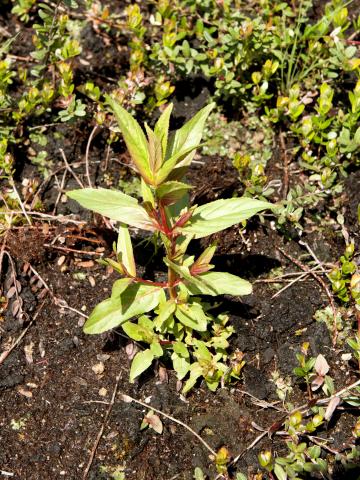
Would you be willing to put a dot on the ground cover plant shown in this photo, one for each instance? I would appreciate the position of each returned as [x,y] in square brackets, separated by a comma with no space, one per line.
[206,152]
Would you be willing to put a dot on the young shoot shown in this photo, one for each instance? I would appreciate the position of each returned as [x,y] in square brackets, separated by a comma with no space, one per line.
[170,317]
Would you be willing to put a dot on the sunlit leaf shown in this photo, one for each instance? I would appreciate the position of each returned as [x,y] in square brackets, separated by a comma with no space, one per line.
[134,138]
[162,127]
[124,247]
[141,362]
[218,283]
[134,300]
[115,205]
[192,315]
[220,214]
[170,192]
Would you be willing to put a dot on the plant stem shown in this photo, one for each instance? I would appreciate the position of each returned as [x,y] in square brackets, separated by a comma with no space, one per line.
[172,277]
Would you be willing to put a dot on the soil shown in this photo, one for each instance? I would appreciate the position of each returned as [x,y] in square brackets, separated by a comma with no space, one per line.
[57,384]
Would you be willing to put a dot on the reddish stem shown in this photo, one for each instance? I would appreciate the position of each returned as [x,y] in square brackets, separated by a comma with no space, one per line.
[150,282]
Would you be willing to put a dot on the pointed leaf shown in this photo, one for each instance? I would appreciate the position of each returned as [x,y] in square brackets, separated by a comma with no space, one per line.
[154,148]
[147,194]
[134,300]
[168,167]
[189,135]
[115,205]
[137,332]
[162,128]
[134,138]
[192,316]
[218,283]
[124,247]
[142,361]
[202,263]
[119,286]
[220,214]
[170,192]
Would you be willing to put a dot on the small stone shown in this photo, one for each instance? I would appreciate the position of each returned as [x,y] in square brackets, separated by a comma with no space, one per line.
[98,368]
[345,357]
[103,392]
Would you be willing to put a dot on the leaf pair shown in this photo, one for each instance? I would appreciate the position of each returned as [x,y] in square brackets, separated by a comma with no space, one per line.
[155,157]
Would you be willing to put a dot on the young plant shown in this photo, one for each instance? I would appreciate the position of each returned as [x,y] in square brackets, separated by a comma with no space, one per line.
[168,316]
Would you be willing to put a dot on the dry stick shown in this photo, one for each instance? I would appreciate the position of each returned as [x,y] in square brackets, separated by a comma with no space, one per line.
[126,398]
[262,403]
[66,249]
[13,275]
[321,282]
[290,284]
[60,302]
[20,202]
[7,352]
[91,136]
[285,188]
[61,189]
[48,216]
[249,447]
[101,431]
[70,169]
[312,253]
[303,409]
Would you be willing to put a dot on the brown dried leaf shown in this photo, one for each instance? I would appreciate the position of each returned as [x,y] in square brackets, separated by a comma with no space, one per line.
[28,349]
[126,398]
[86,264]
[333,404]
[321,366]
[317,382]
[154,422]
[25,393]
[11,292]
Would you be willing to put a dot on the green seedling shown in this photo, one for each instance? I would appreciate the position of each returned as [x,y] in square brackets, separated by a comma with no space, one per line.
[168,316]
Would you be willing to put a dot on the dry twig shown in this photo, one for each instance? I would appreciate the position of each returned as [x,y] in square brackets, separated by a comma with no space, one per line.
[91,136]
[7,352]
[126,398]
[321,282]
[101,431]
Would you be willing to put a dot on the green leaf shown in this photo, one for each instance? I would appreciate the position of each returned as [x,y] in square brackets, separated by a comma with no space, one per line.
[134,138]
[156,348]
[170,192]
[119,286]
[124,247]
[115,205]
[181,365]
[134,300]
[147,194]
[162,128]
[164,311]
[155,151]
[280,472]
[220,214]
[137,332]
[185,140]
[168,167]
[218,283]
[142,361]
[192,315]
[195,373]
